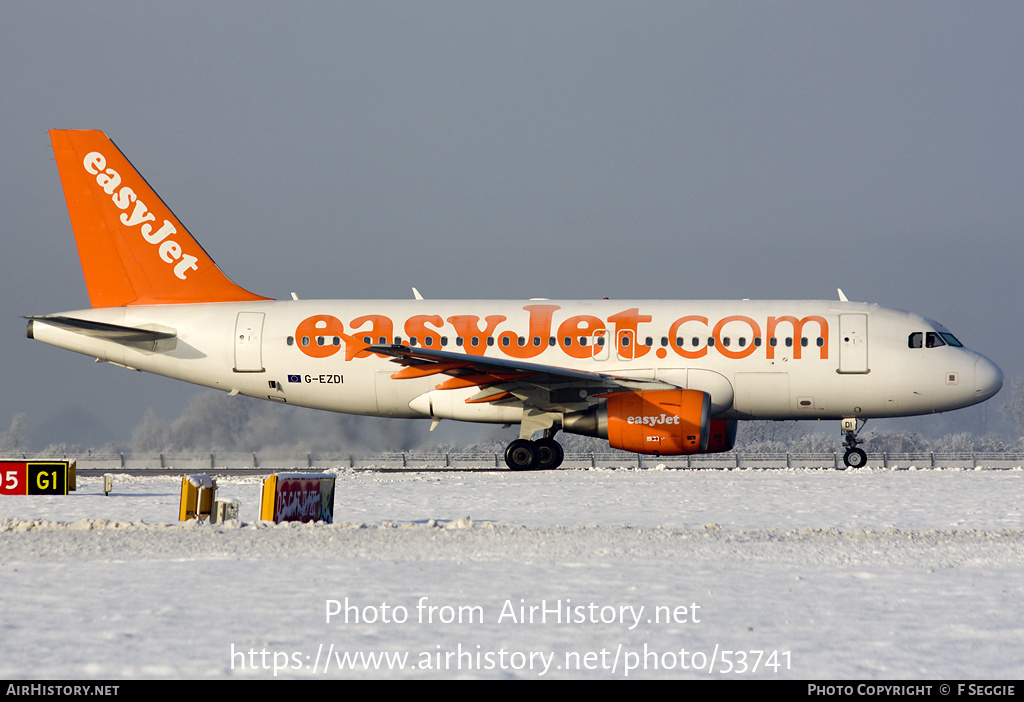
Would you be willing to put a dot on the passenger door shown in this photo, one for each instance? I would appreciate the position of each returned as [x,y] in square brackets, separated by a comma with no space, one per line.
[853,343]
[249,342]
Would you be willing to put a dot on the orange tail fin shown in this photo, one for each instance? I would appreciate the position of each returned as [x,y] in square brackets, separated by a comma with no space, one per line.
[134,251]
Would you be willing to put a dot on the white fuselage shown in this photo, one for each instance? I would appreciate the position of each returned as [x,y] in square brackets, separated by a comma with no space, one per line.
[757,359]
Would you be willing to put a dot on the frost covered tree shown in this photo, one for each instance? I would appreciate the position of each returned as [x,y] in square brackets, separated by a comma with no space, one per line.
[961,442]
[215,421]
[895,442]
[766,436]
[152,435]
[15,439]
[1013,403]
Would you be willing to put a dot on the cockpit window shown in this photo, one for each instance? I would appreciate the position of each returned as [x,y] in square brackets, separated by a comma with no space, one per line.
[932,340]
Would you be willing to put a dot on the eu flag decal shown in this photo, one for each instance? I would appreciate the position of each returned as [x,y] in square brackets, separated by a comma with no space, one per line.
[294,378]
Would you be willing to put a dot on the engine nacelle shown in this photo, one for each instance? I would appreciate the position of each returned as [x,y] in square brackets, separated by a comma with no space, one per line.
[722,436]
[665,422]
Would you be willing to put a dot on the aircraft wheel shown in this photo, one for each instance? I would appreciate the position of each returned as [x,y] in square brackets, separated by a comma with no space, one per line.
[855,458]
[549,454]
[521,455]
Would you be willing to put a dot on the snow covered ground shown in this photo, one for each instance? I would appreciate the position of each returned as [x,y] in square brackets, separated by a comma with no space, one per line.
[867,574]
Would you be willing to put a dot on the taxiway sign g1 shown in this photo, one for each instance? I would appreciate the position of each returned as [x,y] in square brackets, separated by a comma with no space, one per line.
[652,377]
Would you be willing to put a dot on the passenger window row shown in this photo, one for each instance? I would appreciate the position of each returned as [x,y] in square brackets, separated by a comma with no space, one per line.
[625,341]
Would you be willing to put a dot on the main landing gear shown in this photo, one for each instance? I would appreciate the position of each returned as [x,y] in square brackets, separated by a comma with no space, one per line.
[854,457]
[543,454]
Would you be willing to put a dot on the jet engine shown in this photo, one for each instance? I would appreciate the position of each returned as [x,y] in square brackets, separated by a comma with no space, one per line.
[664,422]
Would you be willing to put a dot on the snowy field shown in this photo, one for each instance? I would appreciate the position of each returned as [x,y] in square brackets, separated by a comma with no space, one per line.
[738,574]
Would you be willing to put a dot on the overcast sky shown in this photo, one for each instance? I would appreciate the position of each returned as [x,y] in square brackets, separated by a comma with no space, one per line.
[524,149]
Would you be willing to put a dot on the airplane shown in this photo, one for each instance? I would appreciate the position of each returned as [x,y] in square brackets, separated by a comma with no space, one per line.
[648,376]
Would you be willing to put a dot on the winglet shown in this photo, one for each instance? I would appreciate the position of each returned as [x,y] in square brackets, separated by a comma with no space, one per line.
[133,250]
[842,295]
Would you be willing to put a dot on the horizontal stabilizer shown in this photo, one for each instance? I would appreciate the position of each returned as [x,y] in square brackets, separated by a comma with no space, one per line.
[101,330]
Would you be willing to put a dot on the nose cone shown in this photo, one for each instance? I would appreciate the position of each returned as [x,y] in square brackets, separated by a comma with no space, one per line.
[987,379]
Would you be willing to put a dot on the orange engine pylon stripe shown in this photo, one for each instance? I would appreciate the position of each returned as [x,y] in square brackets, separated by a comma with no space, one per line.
[490,398]
[426,369]
[467,381]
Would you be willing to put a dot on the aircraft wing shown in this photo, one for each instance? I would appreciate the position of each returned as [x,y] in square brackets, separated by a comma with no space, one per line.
[509,381]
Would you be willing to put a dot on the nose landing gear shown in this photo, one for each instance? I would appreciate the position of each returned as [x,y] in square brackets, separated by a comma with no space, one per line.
[854,457]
